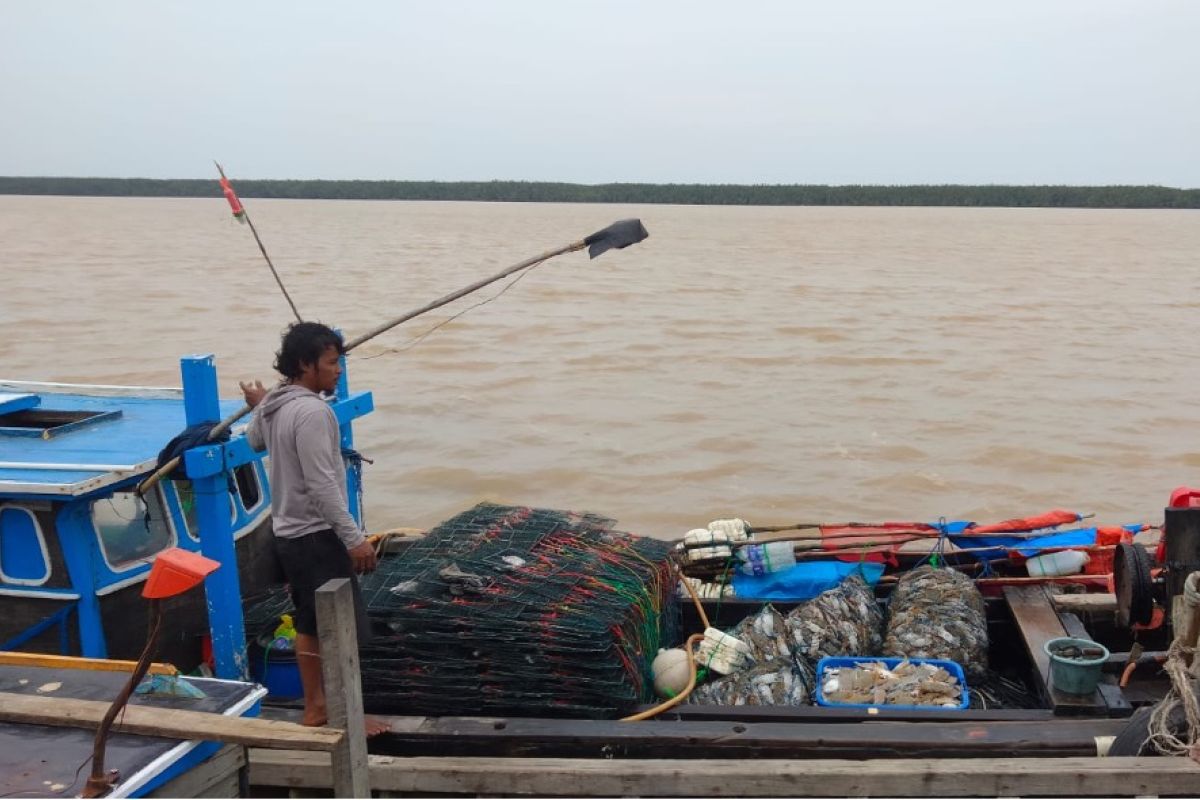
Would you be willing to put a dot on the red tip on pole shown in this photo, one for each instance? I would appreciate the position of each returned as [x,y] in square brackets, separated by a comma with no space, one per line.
[234,203]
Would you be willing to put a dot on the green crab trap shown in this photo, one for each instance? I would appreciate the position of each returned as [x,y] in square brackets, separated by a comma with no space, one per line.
[510,610]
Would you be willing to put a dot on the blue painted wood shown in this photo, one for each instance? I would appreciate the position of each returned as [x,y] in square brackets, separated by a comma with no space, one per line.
[10,402]
[346,429]
[202,404]
[21,552]
[58,618]
[357,405]
[80,552]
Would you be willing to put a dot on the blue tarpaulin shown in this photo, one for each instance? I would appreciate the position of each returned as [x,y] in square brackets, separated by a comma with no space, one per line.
[1078,537]
[803,581]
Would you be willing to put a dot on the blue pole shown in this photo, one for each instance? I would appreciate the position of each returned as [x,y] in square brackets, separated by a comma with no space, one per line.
[210,483]
[353,477]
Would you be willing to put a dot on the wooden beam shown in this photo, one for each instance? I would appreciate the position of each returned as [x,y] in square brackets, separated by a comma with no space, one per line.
[850,716]
[562,738]
[984,777]
[337,630]
[15,659]
[170,723]
[1085,603]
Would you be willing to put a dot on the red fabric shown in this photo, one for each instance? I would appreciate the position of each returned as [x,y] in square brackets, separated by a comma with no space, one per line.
[1050,519]
[877,543]
[1113,535]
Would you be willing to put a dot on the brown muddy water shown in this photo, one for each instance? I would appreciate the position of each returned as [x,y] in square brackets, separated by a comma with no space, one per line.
[779,364]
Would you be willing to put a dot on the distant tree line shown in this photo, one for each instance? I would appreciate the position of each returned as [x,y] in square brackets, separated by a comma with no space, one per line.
[672,193]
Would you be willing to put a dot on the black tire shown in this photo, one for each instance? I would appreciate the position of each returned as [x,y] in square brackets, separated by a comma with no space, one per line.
[1129,742]
[1133,584]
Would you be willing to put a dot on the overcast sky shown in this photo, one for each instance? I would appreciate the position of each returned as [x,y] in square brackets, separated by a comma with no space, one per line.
[962,91]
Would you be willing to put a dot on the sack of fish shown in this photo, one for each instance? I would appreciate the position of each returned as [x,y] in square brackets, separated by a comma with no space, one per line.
[782,681]
[938,613]
[933,614]
[843,621]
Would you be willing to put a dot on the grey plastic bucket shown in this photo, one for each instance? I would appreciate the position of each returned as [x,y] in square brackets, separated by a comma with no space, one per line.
[1075,675]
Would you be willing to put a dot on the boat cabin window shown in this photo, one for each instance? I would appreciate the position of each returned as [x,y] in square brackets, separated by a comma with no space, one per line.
[23,556]
[247,486]
[131,530]
[186,493]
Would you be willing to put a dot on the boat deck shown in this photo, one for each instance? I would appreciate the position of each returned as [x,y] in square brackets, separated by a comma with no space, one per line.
[83,441]
[44,760]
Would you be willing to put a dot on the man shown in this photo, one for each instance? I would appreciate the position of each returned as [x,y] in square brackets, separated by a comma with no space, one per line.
[315,536]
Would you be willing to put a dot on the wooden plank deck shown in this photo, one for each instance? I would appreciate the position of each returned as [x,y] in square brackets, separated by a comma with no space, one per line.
[1040,777]
[481,737]
[1038,622]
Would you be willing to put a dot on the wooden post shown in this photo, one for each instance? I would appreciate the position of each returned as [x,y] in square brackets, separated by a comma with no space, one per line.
[337,630]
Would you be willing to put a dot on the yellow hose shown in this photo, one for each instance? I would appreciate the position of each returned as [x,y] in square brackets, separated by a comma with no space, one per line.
[679,698]
[687,648]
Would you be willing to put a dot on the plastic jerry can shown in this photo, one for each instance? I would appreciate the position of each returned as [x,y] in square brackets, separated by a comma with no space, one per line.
[1064,562]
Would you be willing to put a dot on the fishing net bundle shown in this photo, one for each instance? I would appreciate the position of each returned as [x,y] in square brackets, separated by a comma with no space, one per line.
[938,613]
[518,611]
[843,621]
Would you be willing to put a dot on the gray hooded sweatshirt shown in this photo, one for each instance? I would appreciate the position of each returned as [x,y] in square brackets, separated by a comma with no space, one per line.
[308,475]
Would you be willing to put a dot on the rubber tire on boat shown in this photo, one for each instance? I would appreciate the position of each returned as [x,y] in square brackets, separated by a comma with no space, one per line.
[1131,740]
[1133,585]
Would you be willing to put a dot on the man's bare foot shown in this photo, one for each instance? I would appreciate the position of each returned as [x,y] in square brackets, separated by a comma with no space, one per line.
[375,726]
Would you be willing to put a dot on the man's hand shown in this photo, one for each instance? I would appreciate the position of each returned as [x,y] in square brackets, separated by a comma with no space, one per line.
[253,392]
[363,557]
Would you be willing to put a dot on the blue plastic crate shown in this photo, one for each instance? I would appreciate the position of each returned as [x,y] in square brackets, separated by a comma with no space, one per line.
[852,661]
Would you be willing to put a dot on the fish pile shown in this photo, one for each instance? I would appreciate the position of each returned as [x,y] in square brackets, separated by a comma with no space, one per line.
[905,684]
[938,613]
[1077,651]
[783,681]
[765,633]
[844,621]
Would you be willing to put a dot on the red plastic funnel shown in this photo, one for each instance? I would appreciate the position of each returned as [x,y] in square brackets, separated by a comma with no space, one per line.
[175,571]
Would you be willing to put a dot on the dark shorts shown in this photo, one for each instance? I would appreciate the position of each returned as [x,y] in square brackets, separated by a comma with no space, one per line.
[310,560]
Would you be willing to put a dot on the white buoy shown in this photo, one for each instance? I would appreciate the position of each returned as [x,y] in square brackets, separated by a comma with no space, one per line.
[670,671]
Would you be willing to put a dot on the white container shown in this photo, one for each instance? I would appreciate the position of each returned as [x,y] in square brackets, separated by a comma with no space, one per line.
[760,559]
[703,537]
[706,553]
[1064,562]
[723,653]
[737,530]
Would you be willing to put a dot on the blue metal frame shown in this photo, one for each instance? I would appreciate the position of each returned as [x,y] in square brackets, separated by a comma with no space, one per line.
[211,468]
[206,466]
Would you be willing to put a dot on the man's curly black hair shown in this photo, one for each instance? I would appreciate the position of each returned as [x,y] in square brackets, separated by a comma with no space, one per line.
[304,343]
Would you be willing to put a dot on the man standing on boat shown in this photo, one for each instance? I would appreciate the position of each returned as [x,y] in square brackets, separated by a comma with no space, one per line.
[316,537]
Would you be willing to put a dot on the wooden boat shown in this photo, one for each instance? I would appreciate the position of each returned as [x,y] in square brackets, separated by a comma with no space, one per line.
[62,560]
[45,759]
[77,542]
